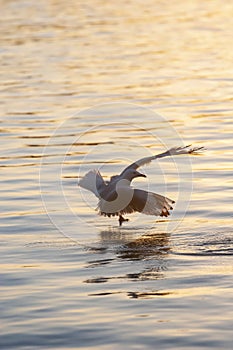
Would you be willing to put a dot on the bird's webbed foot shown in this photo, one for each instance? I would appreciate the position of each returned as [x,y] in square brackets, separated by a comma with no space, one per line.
[121,219]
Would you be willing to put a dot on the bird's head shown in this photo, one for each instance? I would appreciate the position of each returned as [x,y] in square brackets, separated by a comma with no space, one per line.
[130,174]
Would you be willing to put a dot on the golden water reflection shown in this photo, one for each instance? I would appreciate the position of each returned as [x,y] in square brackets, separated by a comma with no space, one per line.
[108,288]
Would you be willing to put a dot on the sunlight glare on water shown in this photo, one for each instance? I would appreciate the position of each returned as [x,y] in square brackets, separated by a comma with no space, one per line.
[99,85]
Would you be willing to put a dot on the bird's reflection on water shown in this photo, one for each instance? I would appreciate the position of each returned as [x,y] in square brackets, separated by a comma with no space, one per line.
[152,247]
[135,246]
[149,252]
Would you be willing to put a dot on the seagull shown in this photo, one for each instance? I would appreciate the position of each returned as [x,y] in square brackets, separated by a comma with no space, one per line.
[117,197]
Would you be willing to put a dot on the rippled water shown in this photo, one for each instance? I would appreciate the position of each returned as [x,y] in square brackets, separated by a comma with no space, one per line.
[98,85]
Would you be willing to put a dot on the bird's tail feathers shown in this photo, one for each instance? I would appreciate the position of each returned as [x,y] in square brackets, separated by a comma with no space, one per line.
[92,181]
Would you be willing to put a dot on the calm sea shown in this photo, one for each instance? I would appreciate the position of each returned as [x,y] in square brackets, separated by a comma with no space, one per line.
[100,84]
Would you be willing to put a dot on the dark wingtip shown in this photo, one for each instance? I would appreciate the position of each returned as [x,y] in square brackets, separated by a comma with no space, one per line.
[196,150]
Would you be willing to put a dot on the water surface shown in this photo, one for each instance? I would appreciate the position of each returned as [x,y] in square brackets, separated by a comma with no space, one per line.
[81,86]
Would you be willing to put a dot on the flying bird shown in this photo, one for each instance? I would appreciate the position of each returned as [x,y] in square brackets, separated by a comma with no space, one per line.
[117,197]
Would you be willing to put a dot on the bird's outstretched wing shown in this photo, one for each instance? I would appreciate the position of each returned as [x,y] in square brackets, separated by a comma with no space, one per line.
[93,182]
[149,203]
[171,152]
[135,200]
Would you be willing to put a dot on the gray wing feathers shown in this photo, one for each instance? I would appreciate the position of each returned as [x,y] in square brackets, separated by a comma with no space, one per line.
[149,203]
[171,152]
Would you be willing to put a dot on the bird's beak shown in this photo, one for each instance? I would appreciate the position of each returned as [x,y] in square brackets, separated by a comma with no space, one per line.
[141,175]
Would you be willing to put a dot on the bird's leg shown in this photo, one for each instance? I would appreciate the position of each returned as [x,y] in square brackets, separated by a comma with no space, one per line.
[121,219]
